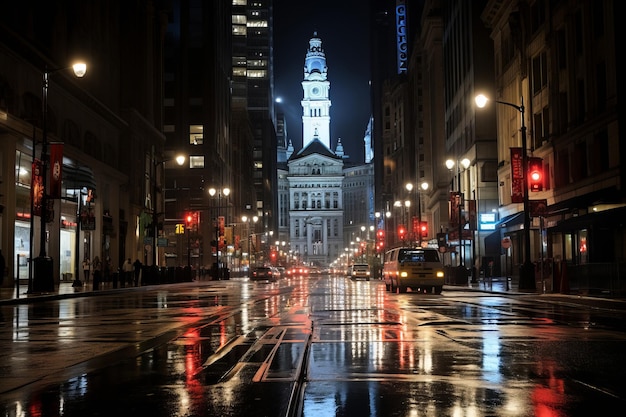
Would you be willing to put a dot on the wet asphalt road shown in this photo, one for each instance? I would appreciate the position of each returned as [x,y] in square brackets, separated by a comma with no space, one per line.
[312,346]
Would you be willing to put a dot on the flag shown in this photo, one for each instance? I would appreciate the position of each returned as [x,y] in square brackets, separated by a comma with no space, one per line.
[56,165]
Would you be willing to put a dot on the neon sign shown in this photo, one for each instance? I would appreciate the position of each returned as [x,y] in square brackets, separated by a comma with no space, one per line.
[402,43]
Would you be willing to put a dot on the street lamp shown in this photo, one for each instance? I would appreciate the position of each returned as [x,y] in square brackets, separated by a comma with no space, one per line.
[465,163]
[404,208]
[527,271]
[180,160]
[410,228]
[246,220]
[212,193]
[43,279]
[417,232]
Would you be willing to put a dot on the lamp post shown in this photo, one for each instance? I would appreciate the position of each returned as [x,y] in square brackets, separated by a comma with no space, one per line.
[459,202]
[212,193]
[387,217]
[403,207]
[246,220]
[410,228]
[424,187]
[43,279]
[527,270]
[417,232]
[180,160]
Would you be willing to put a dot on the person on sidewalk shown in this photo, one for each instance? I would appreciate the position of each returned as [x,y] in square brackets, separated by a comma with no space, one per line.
[137,266]
[97,273]
[86,269]
[127,270]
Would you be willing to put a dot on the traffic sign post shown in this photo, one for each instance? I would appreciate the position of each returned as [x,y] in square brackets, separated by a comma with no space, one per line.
[506,244]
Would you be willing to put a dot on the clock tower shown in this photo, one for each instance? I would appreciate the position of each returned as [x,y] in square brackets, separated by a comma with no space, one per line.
[315,103]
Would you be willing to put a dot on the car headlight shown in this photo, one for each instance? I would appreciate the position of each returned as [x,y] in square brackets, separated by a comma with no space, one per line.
[439,274]
[403,274]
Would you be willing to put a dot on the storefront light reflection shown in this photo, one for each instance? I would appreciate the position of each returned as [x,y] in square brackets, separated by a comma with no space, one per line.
[491,354]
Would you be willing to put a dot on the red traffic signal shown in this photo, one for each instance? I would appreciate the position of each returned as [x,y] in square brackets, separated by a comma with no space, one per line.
[535,174]
[401,232]
[380,234]
[188,220]
[424,229]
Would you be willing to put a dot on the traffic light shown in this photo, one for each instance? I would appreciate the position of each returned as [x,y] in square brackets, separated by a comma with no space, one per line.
[423,229]
[401,232]
[535,174]
[195,220]
[188,220]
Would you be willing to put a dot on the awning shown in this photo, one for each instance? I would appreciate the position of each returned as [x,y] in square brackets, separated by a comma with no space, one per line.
[511,220]
[78,177]
[614,218]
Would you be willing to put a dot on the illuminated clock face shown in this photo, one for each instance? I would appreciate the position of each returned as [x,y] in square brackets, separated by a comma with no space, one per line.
[315,91]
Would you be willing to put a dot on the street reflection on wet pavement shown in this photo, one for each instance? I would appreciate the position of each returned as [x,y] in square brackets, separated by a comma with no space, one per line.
[308,346]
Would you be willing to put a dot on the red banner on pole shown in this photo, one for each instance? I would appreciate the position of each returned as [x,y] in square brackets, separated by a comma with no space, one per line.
[221,221]
[472,220]
[36,187]
[517,176]
[56,167]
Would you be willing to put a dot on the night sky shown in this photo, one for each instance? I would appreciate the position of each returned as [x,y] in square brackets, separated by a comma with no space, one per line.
[343,27]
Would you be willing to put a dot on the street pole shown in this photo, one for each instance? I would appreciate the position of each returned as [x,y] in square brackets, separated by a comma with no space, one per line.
[212,192]
[155,214]
[189,247]
[217,237]
[43,279]
[527,270]
[42,266]
[460,206]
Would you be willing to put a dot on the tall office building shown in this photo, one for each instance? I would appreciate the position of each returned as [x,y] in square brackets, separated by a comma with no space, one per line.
[253,93]
[197,121]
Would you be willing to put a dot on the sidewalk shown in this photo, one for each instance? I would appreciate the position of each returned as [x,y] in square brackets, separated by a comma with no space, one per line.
[13,295]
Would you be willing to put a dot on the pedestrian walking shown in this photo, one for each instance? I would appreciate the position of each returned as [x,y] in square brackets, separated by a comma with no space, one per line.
[127,270]
[137,265]
[106,269]
[86,269]
[97,272]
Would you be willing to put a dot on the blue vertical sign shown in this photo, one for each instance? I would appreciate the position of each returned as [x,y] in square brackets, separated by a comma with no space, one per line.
[401,37]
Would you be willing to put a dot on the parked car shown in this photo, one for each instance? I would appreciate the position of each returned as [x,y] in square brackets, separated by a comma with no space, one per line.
[263,273]
[359,271]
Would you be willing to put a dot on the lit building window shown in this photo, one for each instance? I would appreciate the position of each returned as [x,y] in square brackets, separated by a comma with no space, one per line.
[257,73]
[196,161]
[239,30]
[195,135]
[239,19]
[257,23]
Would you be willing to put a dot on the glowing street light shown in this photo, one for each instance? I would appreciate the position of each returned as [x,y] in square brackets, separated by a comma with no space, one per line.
[212,192]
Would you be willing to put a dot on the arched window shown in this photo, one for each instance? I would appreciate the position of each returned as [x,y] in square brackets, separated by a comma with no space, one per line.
[305,199]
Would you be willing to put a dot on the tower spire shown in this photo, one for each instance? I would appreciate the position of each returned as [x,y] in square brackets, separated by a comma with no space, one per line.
[315,101]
